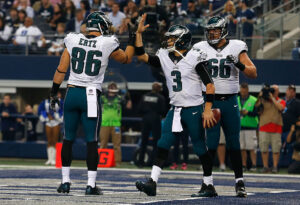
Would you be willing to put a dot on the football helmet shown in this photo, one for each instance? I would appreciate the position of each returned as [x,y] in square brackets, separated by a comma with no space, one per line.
[98,21]
[216,22]
[182,36]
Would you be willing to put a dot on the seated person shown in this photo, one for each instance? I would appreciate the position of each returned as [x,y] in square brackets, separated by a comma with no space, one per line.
[57,46]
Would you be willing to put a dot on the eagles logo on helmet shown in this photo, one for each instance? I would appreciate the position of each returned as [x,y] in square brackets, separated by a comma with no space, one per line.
[98,21]
[216,22]
[182,38]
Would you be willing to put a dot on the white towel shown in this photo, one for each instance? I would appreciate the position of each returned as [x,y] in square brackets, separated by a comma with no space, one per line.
[91,98]
[176,126]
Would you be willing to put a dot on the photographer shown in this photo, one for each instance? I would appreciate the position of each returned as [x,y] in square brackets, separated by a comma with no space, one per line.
[270,124]
[158,20]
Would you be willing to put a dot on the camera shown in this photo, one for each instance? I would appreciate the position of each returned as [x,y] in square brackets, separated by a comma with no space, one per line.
[266,90]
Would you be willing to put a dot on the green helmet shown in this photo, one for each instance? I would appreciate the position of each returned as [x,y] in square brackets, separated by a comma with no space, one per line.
[98,21]
[216,22]
[182,35]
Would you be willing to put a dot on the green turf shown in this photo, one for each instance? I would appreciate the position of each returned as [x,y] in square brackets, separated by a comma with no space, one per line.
[82,163]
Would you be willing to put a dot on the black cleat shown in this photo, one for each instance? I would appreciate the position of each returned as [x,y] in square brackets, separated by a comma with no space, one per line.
[93,191]
[240,189]
[64,188]
[206,191]
[148,187]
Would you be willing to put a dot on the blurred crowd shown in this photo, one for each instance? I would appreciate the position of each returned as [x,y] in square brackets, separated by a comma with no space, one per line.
[38,26]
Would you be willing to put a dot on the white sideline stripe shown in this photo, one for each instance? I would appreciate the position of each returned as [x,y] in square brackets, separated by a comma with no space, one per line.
[170,200]
[148,171]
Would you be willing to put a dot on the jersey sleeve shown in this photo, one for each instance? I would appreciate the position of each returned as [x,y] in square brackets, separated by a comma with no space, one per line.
[67,41]
[112,44]
[240,47]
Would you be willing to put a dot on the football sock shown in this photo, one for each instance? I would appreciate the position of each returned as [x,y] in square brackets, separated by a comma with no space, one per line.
[155,173]
[65,172]
[238,179]
[66,153]
[208,180]
[207,164]
[92,156]
[236,161]
[92,178]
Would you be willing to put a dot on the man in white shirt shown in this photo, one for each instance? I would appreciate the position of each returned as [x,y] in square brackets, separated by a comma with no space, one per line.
[116,16]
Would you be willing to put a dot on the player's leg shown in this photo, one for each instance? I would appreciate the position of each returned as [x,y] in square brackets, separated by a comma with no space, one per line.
[156,134]
[163,146]
[145,136]
[116,140]
[71,121]
[192,118]
[91,127]
[231,126]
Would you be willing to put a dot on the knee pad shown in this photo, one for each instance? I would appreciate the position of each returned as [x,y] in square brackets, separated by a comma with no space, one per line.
[92,157]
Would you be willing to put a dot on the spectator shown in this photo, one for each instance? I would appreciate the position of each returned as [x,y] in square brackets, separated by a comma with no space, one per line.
[116,16]
[173,11]
[96,4]
[85,7]
[296,51]
[75,23]
[12,19]
[192,11]
[294,167]
[52,120]
[184,138]
[8,123]
[111,120]
[30,123]
[8,4]
[22,16]
[249,123]
[58,17]
[247,18]
[270,125]
[5,34]
[25,36]
[69,10]
[151,108]
[229,13]
[46,11]
[215,4]
[23,5]
[58,45]
[290,114]
[107,7]
[131,12]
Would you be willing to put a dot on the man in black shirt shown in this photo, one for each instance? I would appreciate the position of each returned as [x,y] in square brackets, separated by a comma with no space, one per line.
[152,107]
[290,113]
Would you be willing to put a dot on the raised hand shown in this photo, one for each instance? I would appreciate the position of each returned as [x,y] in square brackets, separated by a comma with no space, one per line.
[142,27]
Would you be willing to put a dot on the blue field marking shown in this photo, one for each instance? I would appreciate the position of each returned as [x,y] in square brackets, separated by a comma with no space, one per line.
[118,185]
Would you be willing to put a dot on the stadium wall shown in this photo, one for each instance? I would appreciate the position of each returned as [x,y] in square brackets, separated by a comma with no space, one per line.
[38,71]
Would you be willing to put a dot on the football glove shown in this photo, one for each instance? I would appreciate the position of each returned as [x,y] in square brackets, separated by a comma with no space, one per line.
[53,101]
[232,59]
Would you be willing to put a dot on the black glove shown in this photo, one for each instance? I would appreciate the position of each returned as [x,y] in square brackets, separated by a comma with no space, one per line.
[236,61]
[53,101]
[132,35]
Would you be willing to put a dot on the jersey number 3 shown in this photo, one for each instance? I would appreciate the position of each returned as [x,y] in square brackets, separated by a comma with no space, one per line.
[218,68]
[79,55]
[177,80]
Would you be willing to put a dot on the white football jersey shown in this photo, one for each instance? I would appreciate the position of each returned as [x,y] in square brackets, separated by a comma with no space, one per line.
[183,82]
[225,76]
[89,58]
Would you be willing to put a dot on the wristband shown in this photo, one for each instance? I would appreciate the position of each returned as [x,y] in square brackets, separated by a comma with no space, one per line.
[210,97]
[240,66]
[139,51]
[54,89]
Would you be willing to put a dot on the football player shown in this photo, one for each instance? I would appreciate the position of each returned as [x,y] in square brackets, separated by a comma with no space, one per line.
[226,58]
[182,67]
[87,56]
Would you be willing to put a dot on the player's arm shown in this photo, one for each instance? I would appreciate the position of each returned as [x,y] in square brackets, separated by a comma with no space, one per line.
[121,56]
[243,63]
[139,49]
[59,76]
[208,117]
